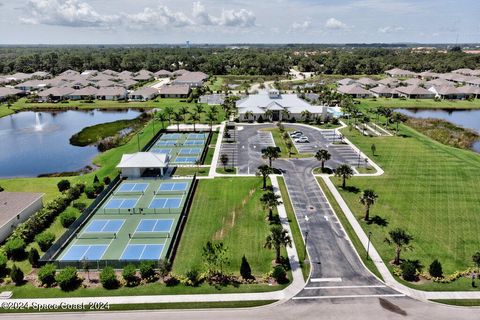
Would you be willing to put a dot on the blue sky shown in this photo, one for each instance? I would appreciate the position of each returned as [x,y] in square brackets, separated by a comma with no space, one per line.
[237,21]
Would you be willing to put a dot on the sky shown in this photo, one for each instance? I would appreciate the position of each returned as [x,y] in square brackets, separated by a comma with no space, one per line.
[238,21]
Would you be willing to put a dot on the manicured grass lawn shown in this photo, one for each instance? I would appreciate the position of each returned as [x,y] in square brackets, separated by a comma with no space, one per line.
[428,189]
[420,103]
[227,210]
[280,142]
[162,306]
[227,170]
[348,228]
[296,233]
[5,111]
[216,84]
[190,171]
[460,302]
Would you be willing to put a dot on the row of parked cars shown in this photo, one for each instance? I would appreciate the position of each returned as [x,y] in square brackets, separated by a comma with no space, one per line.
[299,137]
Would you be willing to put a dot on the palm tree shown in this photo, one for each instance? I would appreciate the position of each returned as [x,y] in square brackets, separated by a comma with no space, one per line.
[214,110]
[344,171]
[195,117]
[264,171]
[289,145]
[269,201]
[323,156]
[270,153]
[277,238]
[269,115]
[387,112]
[224,160]
[248,115]
[306,115]
[183,111]
[178,117]
[401,239]
[199,108]
[398,118]
[368,199]
[169,112]
[285,114]
[211,117]
[162,117]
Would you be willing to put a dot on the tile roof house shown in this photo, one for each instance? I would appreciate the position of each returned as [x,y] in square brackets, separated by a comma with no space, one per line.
[345,82]
[127,83]
[175,91]
[389,82]
[143,94]
[143,75]
[9,92]
[414,92]
[179,72]
[447,92]
[163,74]
[84,93]
[55,93]
[32,85]
[278,105]
[400,73]
[384,91]
[354,91]
[111,93]
[367,82]
[193,79]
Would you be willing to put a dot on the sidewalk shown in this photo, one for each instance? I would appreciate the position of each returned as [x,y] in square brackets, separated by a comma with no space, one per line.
[216,153]
[382,268]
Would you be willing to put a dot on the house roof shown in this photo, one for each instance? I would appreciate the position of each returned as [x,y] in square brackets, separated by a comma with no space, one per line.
[413,82]
[143,160]
[259,103]
[345,82]
[5,92]
[111,91]
[382,90]
[175,89]
[13,203]
[145,91]
[87,91]
[445,90]
[163,73]
[57,92]
[32,84]
[399,72]
[391,82]
[414,90]
[105,83]
[180,72]
[439,82]
[189,77]
[367,81]
[128,82]
[353,89]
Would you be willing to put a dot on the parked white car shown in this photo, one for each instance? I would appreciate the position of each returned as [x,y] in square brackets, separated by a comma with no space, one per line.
[302,140]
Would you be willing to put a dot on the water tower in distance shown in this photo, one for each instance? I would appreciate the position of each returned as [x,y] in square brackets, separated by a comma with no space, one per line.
[187,44]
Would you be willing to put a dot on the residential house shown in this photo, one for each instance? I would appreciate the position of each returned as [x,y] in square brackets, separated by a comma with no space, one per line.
[384,91]
[447,92]
[175,91]
[143,75]
[163,74]
[367,83]
[193,79]
[212,99]
[179,72]
[55,94]
[345,82]
[414,92]
[5,93]
[143,94]
[355,91]
[32,85]
[389,82]
[86,93]
[111,93]
[400,73]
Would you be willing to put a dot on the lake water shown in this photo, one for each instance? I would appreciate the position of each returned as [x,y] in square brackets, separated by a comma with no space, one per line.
[33,143]
[465,118]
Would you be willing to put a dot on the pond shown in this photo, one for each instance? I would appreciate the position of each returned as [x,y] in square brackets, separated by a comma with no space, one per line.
[469,119]
[34,143]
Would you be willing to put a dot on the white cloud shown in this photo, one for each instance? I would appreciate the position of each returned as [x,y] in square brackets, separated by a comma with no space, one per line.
[335,24]
[159,17]
[301,26]
[70,13]
[390,29]
[229,18]
[201,14]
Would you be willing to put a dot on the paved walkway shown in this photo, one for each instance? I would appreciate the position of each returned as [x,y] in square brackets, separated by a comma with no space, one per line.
[216,153]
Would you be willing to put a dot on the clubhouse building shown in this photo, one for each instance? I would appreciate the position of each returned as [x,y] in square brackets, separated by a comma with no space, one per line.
[277,107]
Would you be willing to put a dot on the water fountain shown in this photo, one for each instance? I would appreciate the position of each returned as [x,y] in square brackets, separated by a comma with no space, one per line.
[38,123]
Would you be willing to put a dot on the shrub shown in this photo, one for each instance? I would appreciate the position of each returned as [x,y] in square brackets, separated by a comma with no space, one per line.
[129,274]
[33,257]
[95,179]
[193,277]
[147,269]
[46,274]
[63,185]
[108,278]
[3,263]
[409,272]
[17,275]
[45,240]
[164,267]
[67,218]
[1,189]
[80,206]
[98,187]
[435,269]
[107,180]
[260,119]
[15,249]
[67,279]
[279,274]
[90,192]
[245,270]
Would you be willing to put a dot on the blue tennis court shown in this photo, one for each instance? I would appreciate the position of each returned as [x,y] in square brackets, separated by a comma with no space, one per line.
[171,136]
[193,142]
[116,203]
[107,225]
[133,187]
[173,186]
[187,151]
[142,252]
[161,151]
[154,225]
[168,143]
[85,252]
[166,203]
[196,136]
[185,160]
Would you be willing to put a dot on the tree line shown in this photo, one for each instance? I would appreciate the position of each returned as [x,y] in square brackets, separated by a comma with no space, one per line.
[246,61]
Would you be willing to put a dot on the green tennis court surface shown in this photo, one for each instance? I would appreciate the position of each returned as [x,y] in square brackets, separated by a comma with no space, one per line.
[183,148]
[136,222]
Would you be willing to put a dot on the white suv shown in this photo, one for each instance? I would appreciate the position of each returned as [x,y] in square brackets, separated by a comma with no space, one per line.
[302,140]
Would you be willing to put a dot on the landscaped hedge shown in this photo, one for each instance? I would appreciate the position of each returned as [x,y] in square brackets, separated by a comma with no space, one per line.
[44,217]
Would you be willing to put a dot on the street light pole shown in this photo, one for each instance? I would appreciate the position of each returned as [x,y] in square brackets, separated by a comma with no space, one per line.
[306,242]
[358,166]
[368,244]
[138,140]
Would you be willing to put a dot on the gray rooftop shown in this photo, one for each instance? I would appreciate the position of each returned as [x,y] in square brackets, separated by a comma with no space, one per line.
[13,203]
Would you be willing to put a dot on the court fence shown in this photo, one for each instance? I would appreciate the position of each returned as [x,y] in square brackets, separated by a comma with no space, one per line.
[67,237]
[206,146]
